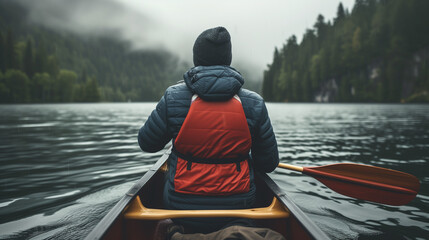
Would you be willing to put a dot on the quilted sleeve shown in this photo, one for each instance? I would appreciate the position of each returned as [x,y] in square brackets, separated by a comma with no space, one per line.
[264,148]
[154,134]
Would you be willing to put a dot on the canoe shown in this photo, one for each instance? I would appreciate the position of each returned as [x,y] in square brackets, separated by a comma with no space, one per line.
[140,215]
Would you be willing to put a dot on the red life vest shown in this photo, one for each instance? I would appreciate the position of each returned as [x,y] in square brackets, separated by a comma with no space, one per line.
[212,149]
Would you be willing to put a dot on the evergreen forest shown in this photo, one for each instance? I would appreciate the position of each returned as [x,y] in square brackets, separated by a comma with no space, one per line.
[38,65]
[376,52]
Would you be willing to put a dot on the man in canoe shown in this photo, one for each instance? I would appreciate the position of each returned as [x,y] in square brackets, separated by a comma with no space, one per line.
[221,135]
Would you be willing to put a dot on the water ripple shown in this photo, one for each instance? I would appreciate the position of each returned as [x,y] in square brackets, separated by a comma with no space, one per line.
[65,165]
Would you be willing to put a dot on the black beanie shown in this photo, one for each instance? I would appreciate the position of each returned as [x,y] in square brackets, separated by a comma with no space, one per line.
[213,47]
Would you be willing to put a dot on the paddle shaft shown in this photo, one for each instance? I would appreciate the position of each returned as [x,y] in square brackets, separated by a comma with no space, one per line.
[291,167]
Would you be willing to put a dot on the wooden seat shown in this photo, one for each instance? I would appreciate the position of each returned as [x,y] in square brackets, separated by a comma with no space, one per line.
[138,211]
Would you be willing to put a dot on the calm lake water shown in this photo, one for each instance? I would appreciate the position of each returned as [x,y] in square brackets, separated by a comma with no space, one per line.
[63,166]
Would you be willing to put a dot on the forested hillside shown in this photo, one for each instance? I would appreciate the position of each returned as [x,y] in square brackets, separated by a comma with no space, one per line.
[377,52]
[40,65]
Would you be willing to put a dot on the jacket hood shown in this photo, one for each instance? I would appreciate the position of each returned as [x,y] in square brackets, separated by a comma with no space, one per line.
[214,83]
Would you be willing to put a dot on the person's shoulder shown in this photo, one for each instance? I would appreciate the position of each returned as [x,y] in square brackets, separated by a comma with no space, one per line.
[249,95]
[178,91]
[179,86]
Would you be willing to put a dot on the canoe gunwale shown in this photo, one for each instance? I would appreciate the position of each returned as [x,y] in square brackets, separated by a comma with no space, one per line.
[306,223]
[100,230]
[102,227]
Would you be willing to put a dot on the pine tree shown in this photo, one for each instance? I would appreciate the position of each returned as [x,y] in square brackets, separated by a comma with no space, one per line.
[11,62]
[52,66]
[268,87]
[2,54]
[65,83]
[83,77]
[92,93]
[340,14]
[320,27]
[28,59]
[43,87]
[387,37]
[41,59]
[19,85]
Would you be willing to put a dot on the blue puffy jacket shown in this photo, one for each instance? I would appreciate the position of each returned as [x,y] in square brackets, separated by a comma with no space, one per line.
[211,83]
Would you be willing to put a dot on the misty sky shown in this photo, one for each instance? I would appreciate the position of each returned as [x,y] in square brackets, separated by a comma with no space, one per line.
[256,27]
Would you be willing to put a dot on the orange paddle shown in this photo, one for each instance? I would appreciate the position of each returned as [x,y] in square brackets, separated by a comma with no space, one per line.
[364,182]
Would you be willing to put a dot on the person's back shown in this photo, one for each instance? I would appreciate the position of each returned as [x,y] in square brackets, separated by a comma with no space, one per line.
[213,123]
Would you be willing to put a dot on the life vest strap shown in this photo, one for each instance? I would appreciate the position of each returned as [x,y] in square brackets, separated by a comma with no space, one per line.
[192,159]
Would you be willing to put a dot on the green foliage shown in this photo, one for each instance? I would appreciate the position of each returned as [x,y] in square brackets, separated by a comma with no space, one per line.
[340,14]
[52,66]
[2,54]
[98,69]
[43,88]
[91,92]
[16,87]
[11,62]
[28,60]
[41,59]
[370,53]
[4,90]
[421,97]
[108,93]
[65,83]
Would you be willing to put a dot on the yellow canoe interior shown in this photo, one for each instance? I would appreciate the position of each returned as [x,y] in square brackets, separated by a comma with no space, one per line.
[145,218]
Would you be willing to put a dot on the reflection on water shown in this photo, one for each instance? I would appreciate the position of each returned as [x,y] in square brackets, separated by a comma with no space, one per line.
[65,165]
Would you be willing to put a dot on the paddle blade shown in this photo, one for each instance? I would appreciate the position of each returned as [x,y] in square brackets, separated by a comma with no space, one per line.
[369,183]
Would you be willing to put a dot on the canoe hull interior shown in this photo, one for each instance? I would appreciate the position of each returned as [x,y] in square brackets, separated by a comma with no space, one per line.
[115,225]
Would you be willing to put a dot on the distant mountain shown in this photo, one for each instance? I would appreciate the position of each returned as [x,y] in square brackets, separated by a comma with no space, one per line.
[378,52]
[41,65]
